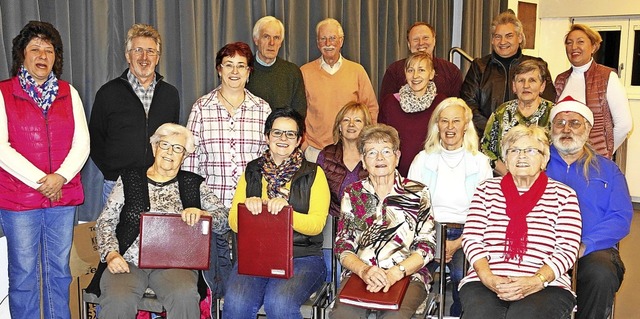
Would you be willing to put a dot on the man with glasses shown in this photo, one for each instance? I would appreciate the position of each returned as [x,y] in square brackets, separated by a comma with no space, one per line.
[605,206]
[488,81]
[332,81]
[276,80]
[128,109]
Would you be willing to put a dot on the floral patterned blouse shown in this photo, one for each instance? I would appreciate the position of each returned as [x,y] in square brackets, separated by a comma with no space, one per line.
[386,231]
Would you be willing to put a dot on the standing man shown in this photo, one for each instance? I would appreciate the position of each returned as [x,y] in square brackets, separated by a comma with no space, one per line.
[421,36]
[128,109]
[332,81]
[277,81]
[605,206]
[488,81]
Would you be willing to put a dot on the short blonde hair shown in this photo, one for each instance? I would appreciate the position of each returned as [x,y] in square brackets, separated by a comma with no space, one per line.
[519,131]
[146,31]
[378,133]
[417,57]
[592,34]
[470,139]
[169,129]
[352,106]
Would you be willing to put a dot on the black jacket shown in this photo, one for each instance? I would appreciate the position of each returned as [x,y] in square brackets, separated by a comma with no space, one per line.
[120,129]
[485,84]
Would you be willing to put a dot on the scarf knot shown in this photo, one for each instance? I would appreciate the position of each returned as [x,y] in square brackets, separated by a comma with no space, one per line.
[278,176]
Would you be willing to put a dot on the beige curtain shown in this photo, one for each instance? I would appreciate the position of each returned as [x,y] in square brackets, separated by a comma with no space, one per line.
[476,20]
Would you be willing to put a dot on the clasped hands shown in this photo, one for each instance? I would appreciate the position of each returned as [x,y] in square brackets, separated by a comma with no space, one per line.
[51,185]
[513,288]
[378,279]
[274,205]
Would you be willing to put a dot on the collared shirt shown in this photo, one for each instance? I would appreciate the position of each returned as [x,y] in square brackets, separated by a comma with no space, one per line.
[145,95]
[264,63]
[331,69]
[225,143]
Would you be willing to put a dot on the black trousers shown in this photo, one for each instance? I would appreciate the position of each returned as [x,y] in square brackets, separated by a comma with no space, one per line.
[600,274]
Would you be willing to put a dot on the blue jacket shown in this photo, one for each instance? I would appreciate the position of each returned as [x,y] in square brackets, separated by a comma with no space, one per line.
[605,203]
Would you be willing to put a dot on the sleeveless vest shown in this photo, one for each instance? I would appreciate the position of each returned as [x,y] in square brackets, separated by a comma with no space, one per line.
[336,171]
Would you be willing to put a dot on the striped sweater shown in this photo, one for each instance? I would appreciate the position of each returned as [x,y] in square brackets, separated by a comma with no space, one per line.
[553,236]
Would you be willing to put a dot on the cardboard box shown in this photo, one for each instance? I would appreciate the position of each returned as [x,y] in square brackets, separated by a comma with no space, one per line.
[83,263]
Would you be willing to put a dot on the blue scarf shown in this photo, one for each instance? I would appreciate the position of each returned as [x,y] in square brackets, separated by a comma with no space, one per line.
[44,94]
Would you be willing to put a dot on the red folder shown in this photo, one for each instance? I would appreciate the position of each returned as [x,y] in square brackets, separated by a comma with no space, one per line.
[265,243]
[355,293]
[168,242]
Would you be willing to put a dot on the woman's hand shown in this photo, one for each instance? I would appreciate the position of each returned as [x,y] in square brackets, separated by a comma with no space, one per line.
[116,264]
[254,205]
[451,247]
[492,281]
[394,274]
[51,186]
[375,278]
[191,215]
[519,287]
[276,204]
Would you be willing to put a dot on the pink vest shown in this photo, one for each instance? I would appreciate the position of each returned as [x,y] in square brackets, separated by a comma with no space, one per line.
[43,140]
[597,80]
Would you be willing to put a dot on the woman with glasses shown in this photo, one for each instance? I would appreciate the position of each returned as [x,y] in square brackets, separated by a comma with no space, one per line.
[280,177]
[386,228]
[529,108]
[162,187]
[521,236]
[227,125]
[409,110]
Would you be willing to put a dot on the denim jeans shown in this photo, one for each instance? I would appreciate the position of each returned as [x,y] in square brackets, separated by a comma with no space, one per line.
[456,271]
[282,298]
[39,244]
[107,187]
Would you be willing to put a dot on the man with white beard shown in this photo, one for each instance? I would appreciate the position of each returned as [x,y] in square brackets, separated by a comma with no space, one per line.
[330,82]
[605,206]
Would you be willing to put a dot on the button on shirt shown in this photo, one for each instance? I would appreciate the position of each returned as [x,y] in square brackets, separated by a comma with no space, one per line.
[145,95]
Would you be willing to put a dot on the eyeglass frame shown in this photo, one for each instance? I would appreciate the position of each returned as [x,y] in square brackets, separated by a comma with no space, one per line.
[528,151]
[229,67]
[373,153]
[572,124]
[181,149]
[332,39]
[276,133]
[139,50]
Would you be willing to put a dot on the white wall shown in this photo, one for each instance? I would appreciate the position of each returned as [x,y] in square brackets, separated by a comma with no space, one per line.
[586,8]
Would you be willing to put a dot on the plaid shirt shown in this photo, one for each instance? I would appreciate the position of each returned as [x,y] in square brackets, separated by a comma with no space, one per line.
[145,95]
[225,143]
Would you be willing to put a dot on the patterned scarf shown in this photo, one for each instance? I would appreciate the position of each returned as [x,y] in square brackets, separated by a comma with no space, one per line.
[278,176]
[512,116]
[517,208]
[44,94]
[410,103]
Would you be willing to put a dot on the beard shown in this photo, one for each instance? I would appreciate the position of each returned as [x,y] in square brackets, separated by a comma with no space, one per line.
[569,146]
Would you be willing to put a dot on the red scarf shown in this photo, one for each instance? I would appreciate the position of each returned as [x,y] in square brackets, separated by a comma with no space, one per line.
[518,207]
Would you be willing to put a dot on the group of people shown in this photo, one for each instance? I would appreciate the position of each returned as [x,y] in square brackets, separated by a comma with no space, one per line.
[316,138]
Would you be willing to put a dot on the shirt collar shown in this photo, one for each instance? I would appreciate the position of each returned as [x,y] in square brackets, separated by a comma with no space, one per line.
[324,64]
[264,63]
[133,80]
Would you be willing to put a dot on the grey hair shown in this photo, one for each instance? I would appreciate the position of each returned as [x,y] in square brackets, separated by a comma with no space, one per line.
[329,21]
[262,22]
[519,131]
[145,31]
[169,129]
[506,18]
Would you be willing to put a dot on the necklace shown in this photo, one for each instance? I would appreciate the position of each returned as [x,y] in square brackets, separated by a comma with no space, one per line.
[230,104]
[450,158]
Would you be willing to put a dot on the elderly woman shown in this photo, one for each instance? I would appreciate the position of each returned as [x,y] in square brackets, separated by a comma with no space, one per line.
[44,142]
[163,187]
[227,125]
[528,109]
[449,163]
[412,105]
[386,230]
[598,87]
[522,235]
[281,177]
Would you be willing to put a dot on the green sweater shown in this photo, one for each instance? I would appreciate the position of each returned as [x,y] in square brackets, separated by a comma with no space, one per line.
[280,84]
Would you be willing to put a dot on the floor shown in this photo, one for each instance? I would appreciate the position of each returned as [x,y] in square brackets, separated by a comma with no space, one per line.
[628,299]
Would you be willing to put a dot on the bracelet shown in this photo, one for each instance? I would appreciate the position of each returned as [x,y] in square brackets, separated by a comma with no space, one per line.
[543,279]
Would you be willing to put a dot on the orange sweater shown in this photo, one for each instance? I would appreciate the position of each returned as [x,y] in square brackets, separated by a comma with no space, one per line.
[327,94]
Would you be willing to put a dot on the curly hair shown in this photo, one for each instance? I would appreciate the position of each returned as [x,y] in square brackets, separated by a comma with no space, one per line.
[145,31]
[37,29]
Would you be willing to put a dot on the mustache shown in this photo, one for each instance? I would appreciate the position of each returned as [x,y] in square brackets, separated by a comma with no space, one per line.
[328,47]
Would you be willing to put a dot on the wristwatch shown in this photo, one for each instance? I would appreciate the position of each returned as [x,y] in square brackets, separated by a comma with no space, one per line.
[404,270]
[542,278]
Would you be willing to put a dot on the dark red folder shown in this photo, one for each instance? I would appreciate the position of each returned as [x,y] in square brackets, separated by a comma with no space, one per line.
[355,293]
[265,243]
[168,242]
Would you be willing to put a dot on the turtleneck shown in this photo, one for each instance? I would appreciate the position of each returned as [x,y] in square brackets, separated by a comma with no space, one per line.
[583,68]
[576,85]
[453,158]
[450,201]
[506,62]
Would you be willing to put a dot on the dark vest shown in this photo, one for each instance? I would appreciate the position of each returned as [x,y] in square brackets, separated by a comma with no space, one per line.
[136,201]
[336,171]
[299,196]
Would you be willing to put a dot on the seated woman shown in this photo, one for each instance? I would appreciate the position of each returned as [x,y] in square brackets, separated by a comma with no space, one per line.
[281,177]
[522,235]
[528,109]
[449,164]
[163,187]
[386,230]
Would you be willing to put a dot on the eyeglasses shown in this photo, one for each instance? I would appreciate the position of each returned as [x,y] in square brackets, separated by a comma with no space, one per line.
[177,148]
[331,39]
[150,52]
[230,66]
[529,151]
[561,123]
[289,134]
[373,153]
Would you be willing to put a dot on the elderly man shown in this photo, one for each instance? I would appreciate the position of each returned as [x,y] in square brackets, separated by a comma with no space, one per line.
[277,81]
[128,109]
[487,83]
[421,36]
[605,206]
[330,82]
